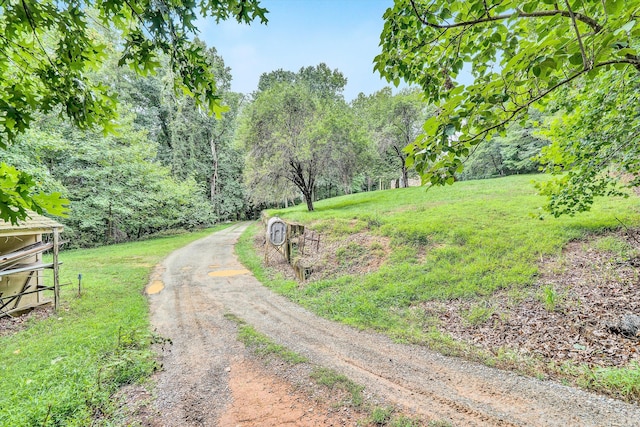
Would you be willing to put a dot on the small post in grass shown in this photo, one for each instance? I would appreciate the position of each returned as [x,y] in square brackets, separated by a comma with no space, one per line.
[79,282]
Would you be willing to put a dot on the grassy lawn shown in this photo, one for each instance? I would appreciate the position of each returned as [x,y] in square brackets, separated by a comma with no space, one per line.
[62,371]
[464,241]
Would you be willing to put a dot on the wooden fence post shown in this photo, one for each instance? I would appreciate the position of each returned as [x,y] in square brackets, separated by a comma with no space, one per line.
[56,278]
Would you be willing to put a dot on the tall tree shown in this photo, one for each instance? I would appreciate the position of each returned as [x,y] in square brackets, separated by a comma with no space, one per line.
[349,152]
[394,122]
[288,129]
[47,51]
[521,54]
[282,139]
[321,80]
[200,146]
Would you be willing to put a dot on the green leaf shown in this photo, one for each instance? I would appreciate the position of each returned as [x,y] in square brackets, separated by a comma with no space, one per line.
[576,59]
[625,28]
[612,7]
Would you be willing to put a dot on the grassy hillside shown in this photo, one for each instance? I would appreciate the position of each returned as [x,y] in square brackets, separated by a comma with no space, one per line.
[455,242]
[61,371]
[463,242]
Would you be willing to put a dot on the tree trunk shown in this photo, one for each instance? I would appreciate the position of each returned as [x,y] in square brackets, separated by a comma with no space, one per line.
[405,177]
[214,174]
[309,199]
[346,184]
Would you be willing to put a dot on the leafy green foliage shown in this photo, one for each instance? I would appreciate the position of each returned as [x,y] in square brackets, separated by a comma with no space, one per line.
[48,51]
[393,122]
[291,130]
[514,153]
[117,191]
[17,198]
[594,148]
[521,55]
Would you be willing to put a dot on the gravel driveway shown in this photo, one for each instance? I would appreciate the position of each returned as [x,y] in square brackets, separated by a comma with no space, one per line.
[196,285]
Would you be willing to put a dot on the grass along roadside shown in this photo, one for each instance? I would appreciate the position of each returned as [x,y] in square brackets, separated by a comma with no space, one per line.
[460,243]
[61,371]
[337,384]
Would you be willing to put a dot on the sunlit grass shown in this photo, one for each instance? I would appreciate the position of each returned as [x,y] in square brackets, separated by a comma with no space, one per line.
[464,241]
[62,371]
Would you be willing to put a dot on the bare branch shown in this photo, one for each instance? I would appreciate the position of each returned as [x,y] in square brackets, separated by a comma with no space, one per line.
[585,61]
[517,14]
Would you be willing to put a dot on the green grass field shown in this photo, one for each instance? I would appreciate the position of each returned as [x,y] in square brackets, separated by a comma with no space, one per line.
[63,370]
[463,241]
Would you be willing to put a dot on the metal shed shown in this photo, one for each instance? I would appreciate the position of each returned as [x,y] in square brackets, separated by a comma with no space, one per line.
[22,271]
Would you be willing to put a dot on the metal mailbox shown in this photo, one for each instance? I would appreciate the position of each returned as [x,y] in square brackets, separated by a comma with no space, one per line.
[276,231]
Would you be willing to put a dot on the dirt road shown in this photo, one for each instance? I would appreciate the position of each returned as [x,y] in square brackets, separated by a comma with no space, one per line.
[198,284]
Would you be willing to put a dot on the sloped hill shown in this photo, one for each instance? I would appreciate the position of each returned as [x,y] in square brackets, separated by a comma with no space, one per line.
[475,270]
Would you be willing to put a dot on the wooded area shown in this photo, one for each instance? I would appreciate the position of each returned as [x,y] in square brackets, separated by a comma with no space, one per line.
[149,137]
[172,166]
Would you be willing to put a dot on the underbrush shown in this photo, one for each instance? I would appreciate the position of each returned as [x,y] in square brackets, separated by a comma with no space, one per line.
[63,370]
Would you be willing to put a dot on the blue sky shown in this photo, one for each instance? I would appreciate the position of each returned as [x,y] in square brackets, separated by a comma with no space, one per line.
[344,34]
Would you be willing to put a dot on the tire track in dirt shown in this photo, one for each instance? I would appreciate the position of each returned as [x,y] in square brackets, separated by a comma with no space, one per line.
[412,377]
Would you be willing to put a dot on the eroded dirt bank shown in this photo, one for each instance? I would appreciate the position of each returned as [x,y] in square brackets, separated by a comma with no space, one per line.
[204,280]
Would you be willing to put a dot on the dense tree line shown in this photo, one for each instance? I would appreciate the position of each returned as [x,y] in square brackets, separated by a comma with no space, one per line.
[167,164]
[170,165]
[134,155]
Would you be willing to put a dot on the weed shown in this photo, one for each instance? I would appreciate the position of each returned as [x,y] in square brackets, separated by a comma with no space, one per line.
[373,220]
[624,382]
[332,379]
[350,253]
[385,417]
[478,314]
[380,416]
[377,249]
[262,345]
[620,248]
[439,423]
[404,421]
[550,298]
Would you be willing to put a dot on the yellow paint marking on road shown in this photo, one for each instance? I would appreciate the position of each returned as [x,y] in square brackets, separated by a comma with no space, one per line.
[227,273]
[155,287]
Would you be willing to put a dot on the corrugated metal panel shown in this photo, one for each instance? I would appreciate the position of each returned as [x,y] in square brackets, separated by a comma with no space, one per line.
[35,224]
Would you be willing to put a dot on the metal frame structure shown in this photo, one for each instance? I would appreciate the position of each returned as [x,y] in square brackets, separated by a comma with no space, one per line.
[21,266]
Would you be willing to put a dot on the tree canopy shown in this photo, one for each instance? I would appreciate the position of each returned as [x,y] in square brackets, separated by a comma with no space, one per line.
[49,49]
[521,54]
[293,131]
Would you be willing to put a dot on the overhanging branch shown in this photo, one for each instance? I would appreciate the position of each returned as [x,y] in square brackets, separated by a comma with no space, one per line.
[517,14]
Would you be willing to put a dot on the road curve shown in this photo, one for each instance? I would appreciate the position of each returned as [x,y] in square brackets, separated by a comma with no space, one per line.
[204,280]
